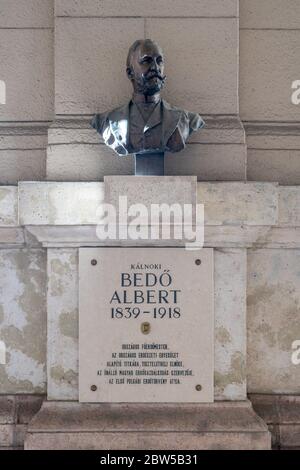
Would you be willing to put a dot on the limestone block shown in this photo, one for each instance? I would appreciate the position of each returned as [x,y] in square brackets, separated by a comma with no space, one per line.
[27,406]
[8,206]
[273,151]
[26,57]
[270,14]
[289,206]
[6,435]
[155,190]
[290,435]
[26,14]
[7,409]
[273,320]
[62,357]
[230,324]
[63,425]
[22,152]
[11,237]
[274,165]
[59,203]
[273,137]
[23,320]
[22,165]
[201,62]
[90,63]
[268,66]
[239,203]
[85,163]
[209,162]
[155,8]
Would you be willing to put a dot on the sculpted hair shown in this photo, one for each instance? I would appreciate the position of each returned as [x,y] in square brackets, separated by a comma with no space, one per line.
[134,47]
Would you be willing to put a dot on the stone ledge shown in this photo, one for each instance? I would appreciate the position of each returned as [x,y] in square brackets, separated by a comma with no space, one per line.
[223,425]
[16,411]
[252,204]
[237,214]
[76,152]
[282,415]
[215,237]
[218,130]
[157,8]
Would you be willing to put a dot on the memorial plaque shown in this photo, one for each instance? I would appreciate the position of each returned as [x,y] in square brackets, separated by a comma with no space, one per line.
[146,325]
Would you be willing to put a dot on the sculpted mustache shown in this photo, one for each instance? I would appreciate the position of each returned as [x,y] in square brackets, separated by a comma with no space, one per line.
[153,75]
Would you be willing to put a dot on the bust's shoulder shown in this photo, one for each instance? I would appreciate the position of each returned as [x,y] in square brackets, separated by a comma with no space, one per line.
[100,120]
[194,120]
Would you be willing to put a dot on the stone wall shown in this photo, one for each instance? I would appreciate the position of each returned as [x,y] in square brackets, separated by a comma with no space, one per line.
[233,62]
[269,64]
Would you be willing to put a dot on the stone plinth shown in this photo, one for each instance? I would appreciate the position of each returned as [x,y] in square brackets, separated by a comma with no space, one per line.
[244,223]
[65,425]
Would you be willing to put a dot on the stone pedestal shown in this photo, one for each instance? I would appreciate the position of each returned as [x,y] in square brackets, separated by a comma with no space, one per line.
[223,425]
[230,421]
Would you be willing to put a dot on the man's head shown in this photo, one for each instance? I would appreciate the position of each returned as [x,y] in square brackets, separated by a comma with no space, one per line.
[145,67]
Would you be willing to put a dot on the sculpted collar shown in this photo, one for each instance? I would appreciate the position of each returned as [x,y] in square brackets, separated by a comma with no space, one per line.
[138,98]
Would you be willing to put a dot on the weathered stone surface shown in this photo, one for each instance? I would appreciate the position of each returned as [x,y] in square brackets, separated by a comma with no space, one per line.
[62,357]
[19,435]
[273,152]
[282,414]
[289,206]
[268,67]
[101,84]
[22,152]
[290,435]
[8,206]
[7,409]
[230,324]
[6,435]
[208,90]
[239,203]
[138,426]
[19,165]
[26,57]
[272,14]
[11,236]
[157,8]
[41,203]
[23,320]
[277,409]
[209,162]
[26,14]
[274,165]
[273,320]
[26,407]
[156,190]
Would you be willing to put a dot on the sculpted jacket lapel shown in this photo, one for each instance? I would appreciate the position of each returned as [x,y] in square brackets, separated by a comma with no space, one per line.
[171,117]
[119,124]
[155,117]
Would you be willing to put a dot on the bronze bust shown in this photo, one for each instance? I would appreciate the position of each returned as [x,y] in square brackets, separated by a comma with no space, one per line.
[147,126]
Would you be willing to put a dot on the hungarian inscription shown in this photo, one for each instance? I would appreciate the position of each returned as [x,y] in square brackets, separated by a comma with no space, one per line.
[146,327]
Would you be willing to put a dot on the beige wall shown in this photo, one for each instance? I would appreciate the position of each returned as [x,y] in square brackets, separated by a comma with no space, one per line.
[269,64]
[83,61]
[26,57]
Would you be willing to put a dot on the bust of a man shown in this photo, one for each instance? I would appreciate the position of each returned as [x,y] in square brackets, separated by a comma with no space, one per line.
[147,124]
